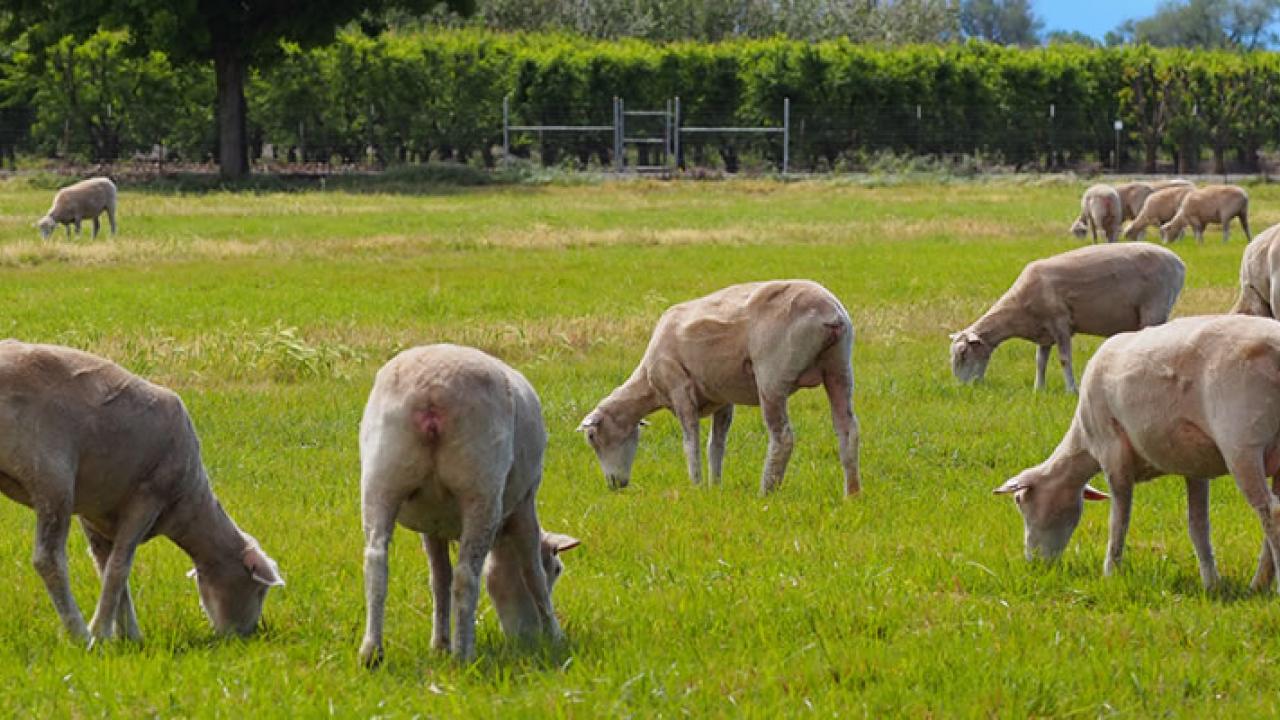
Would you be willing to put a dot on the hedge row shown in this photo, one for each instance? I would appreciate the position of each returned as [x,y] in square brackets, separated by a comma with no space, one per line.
[410,97]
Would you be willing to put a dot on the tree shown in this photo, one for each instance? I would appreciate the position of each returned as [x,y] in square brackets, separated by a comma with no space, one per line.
[1232,24]
[235,34]
[1007,22]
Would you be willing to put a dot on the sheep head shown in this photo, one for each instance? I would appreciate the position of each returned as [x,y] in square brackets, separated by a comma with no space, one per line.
[969,356]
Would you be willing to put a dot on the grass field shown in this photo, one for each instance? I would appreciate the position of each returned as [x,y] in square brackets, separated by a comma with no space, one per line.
[270,313]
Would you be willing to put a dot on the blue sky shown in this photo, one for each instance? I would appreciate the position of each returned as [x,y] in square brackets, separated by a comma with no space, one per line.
[1092,17]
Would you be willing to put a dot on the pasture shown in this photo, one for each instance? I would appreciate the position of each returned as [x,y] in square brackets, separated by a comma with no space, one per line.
[269,313]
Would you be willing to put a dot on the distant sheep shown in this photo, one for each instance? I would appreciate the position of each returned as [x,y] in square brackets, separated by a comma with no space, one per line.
[1100,208]
[81,435]
[1134,194]
[85,200]
[1158,209]
[1097,290]
[451,447]
[1211,204]
[749,344]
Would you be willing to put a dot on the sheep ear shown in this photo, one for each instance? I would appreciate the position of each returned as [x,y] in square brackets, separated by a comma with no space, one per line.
[1092,493]
[263,568]
[559,543]
[192,573]
[1011,485]
[589,421]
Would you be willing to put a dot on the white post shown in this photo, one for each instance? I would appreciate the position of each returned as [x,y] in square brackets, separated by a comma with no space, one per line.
[506,132]
[675,133]
[786,134]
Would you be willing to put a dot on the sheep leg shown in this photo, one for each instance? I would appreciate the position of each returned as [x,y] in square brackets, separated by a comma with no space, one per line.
[53,522]
[1246,467]
[481,516]
[1042,364]
[839,387]
[111,217]
[379,517]
[1199,231]
[130,529]
[1244,225]
[511,596]
[1064,357]
[686,412]
[1121,508]
[525,541]
[720,422]
[97,224]
[441,580]
[126,619]
[1198,527]
[781,440]
[1266,568]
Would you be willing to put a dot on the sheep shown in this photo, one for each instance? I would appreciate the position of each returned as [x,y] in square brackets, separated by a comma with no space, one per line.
[1260,276]
[1159,208]
[1198,397]
[1093,290]
[81,435]
[451,447]
[1211,204]
[749,344]
[1134,194]
[84,200]
[1100,207]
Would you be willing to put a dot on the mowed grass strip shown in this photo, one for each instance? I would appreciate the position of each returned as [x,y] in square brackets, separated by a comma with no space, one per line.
[270,313]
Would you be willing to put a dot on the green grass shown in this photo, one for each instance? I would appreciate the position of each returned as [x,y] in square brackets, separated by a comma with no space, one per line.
[270,313]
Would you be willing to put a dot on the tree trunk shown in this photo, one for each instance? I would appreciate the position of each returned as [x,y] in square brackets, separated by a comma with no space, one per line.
[230,69]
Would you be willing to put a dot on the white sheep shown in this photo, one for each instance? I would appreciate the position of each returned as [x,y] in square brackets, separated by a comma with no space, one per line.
[750,344]
[1198,397]
[1260,276]
[85,200]
[1210,204]
[1134,194]
[81,435]
[1098,290]
[451,447]
[1158,209]
[1100,208]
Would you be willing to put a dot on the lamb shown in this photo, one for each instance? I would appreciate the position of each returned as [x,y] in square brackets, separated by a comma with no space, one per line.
[1100,207]
[1211,204]
[1159,208]
[85,200]
[1134,194]
[1198,397]
[1260,276]
[81,435]
[749,344]
[451,447]
[1093,290]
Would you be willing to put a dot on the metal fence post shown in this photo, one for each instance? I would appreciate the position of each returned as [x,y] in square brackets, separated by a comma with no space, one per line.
[506,125]
[786,134]
[676,134]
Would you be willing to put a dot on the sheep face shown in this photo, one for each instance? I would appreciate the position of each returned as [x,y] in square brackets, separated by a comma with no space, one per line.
[46,225]
[1171,231]
[1050,511]
[1079,229]
[232,595]
[615,445]
[969,356]
[552,545]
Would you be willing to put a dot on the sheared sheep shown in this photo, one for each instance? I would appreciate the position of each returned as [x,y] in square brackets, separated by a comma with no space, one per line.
[1134,194]
[1159,208]
[1211,204]
[1198,397]
[85,200]
[1100,207]
[1099,290]
[451,447]
[80,435]
[1260,276]
[749,344]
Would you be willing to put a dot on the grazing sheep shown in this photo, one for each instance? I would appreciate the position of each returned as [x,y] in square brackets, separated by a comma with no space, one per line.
[1260,276]
[451,447]
[1100,207]
[750,344]
[1211,204]
[1198,397]
[1093,290]
[85,200]
[80,435]
[1134,194]
[1159,208]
